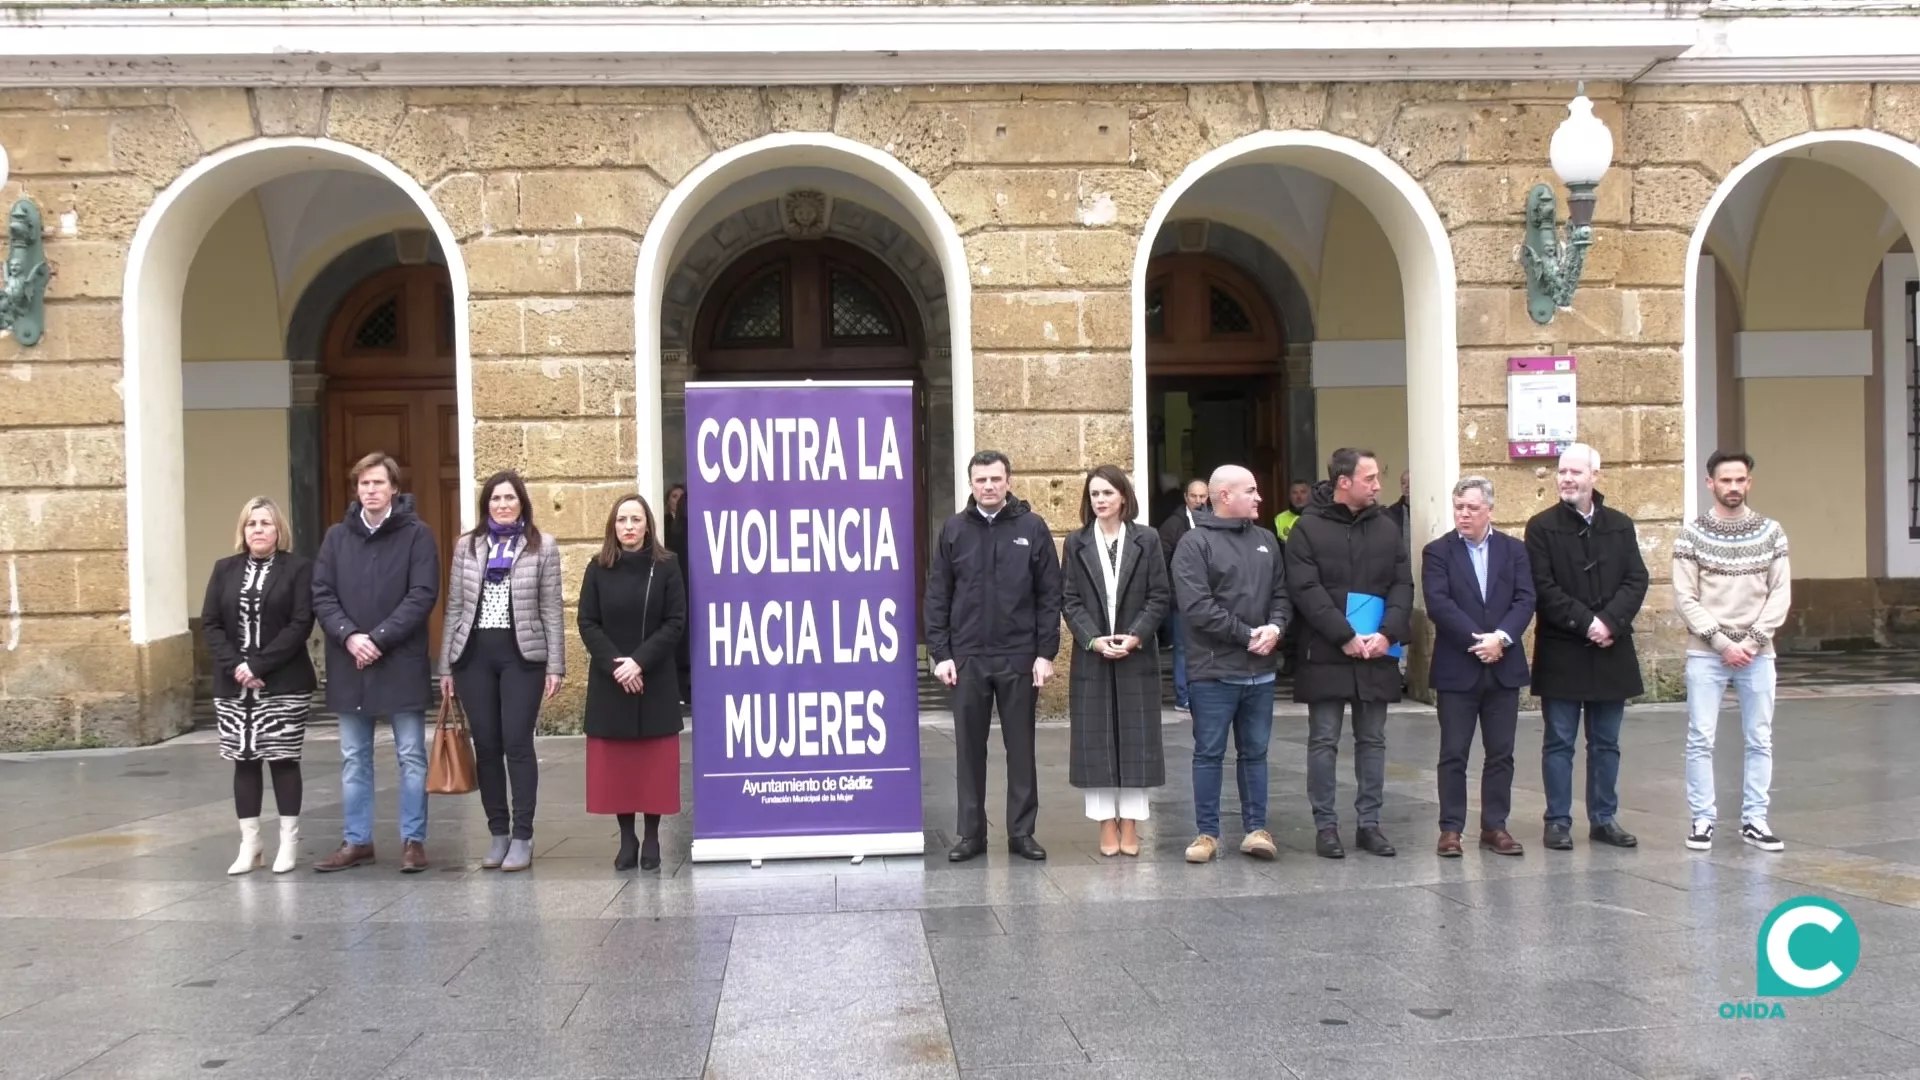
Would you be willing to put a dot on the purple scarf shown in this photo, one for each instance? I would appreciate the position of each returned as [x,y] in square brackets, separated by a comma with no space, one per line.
[503,544]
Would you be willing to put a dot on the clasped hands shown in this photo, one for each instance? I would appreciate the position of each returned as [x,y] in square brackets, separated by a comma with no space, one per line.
[1367,646]
[1264,640]
[948,672]
[1490,648]
[364,651]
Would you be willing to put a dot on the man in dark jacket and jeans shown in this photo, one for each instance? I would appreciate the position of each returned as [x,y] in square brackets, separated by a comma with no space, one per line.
[1347,560]
[1177,525]
[375,582]
[1591,580]
[993,629]
[1232,591]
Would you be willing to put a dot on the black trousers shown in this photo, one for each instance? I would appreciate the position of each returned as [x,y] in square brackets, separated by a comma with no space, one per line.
[983,682]
[501,695]
[1495,710]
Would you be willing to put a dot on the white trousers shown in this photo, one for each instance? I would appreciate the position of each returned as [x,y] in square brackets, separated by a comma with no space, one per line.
[1105,804]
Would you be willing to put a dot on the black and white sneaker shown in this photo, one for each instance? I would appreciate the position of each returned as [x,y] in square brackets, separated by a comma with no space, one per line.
[1755,832]
[1701,838]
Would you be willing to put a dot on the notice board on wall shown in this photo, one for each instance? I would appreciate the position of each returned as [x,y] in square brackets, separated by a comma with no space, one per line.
[1542,406]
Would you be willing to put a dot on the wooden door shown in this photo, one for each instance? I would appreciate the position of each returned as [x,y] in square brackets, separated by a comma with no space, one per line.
[1212,335]
[390,389]
[821,310]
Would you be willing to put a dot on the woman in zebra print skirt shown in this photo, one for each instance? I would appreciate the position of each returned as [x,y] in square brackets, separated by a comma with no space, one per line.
[257,618]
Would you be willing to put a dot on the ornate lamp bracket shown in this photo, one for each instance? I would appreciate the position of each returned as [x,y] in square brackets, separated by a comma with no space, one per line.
[23,287]
[1553,268]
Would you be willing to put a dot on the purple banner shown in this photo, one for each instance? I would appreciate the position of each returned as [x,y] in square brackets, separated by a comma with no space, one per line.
[806,725]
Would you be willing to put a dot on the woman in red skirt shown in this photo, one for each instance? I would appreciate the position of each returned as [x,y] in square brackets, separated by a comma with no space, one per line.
[633,610]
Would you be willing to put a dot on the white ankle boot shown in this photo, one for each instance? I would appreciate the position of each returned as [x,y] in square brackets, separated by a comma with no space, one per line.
[289,845]
[250,856]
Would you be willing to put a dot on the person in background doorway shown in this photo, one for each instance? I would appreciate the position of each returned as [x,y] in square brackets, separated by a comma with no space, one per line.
[1402,511]
[1479,590]
[633,613]
[1115,593]
[993,629]
[1230,582]
[1589,582]
[375,582]
[1345,548]
[503,645]
[1734,588]
[1299,494]
[1177,525]
[256,620]
[676,530]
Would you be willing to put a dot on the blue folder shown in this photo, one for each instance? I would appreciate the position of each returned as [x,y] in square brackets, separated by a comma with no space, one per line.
[1365,612]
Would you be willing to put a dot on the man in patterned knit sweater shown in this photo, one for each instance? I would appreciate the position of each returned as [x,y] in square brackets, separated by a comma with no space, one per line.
[1731,578]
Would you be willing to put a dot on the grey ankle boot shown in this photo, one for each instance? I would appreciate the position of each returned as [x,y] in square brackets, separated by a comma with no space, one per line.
[496,854]
[519,856]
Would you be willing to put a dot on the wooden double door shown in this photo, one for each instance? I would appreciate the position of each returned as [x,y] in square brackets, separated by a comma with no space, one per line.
[1216,386]
[389,366]
[823,310]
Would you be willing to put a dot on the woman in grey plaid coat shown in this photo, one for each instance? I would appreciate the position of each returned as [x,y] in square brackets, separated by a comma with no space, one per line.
[1116,595]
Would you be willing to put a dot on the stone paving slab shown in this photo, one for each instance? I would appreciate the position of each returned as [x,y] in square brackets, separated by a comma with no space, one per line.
[128,951]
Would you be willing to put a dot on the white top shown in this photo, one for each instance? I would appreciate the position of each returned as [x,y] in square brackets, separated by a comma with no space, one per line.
[1109,552]
[496,605]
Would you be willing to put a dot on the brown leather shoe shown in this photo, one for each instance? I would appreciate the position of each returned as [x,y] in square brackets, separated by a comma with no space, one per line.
[1449,846]
[346,858]
[413,857]
[1501,841]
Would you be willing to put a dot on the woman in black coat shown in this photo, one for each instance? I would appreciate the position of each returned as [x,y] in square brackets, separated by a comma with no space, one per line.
[1116,592]
[256,620]
[633,612]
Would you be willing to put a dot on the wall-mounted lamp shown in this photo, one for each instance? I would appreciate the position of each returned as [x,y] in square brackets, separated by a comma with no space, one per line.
[23,283]
[1581,152]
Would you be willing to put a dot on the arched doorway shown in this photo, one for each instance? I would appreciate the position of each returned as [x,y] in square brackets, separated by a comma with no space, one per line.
[823,310]
[390,386]
[1216,385]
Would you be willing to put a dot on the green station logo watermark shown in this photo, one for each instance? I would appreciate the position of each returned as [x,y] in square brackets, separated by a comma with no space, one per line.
[1807,946]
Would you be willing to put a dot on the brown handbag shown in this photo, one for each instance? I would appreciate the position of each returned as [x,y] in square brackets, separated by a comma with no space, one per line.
[450,768]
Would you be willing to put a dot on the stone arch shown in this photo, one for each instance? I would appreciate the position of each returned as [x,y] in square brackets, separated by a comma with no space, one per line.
[1425,256]
[1890,166]
[158,259]
[711,179]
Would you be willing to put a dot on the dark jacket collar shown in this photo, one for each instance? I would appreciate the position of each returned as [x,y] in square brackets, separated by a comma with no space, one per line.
[1324,505]
[1014,507]
[398,515]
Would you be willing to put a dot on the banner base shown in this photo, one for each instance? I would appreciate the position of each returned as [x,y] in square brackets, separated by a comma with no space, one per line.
[858,846]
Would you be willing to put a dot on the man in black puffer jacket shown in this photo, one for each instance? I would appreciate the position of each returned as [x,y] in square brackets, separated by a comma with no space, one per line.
[1346,545]
[993,629]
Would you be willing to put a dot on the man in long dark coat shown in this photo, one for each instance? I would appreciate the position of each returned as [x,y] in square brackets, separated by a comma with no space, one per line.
[1591,580]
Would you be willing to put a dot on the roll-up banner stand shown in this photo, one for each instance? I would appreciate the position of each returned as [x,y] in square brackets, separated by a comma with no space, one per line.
[806,725]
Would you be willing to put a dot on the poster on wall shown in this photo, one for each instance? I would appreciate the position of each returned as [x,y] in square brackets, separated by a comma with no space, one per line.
[804,622]
[1542,406]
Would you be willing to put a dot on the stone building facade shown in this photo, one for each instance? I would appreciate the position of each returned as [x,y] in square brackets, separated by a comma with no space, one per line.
[581,228]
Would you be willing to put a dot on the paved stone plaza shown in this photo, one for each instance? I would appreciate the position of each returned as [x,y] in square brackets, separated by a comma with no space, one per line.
[128,953]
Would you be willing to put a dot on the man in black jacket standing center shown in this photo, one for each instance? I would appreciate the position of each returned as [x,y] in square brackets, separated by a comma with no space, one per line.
[993,629]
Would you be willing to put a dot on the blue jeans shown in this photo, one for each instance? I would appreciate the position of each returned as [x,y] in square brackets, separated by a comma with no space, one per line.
[1248,711]
[356,774]
[1181,697]
[1603,758]
[1707,679]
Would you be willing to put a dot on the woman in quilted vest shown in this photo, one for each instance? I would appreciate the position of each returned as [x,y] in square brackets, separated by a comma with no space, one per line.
[503,646]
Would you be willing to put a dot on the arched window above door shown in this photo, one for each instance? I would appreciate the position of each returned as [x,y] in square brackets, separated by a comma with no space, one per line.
[807,305]
[1205,316]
